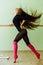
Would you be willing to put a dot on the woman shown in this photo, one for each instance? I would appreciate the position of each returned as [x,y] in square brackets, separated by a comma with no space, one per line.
[22,20]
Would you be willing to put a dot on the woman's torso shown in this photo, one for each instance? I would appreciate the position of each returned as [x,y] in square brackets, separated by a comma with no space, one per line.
[17,20]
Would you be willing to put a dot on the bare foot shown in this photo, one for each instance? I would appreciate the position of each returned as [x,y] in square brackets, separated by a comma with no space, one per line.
[38,61]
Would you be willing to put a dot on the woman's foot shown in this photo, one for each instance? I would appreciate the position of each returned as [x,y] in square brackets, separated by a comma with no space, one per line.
[38,58]
[15,59]
[39,62]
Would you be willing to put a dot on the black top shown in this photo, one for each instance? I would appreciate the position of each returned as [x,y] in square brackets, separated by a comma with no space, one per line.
[16,22]
[19,18]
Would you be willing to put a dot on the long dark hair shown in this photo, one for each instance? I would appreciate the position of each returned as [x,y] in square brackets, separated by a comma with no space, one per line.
[32,22]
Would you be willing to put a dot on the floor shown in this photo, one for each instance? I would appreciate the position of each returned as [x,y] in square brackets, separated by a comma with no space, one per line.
[25,58]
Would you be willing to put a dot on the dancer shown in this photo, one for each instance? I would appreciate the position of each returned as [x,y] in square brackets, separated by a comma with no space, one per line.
[23,21]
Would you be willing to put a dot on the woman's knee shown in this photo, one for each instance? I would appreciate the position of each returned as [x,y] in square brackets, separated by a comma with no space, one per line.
[27,44]
[15,40]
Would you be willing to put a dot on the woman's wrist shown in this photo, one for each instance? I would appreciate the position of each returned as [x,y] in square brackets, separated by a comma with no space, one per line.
[22,22]
[22,27]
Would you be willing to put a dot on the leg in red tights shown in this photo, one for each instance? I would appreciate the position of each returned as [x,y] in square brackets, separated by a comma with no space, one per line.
[15,47]
[34,51]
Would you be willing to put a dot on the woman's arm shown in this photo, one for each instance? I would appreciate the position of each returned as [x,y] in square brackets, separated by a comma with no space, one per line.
[21,26]
[22,22]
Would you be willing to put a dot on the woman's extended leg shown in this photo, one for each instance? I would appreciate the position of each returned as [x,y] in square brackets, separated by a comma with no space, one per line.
[26,39]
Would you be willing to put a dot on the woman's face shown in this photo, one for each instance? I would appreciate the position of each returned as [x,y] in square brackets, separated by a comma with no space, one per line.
[16,10]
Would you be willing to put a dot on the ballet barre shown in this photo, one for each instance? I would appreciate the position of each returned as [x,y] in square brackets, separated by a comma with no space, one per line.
[6,25]
[11,25]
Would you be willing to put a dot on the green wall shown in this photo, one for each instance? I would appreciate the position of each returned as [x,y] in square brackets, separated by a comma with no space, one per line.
[7,34]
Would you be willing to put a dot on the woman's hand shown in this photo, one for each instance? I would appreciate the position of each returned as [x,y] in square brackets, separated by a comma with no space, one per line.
[11,25]
[22,22]
[21,26]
